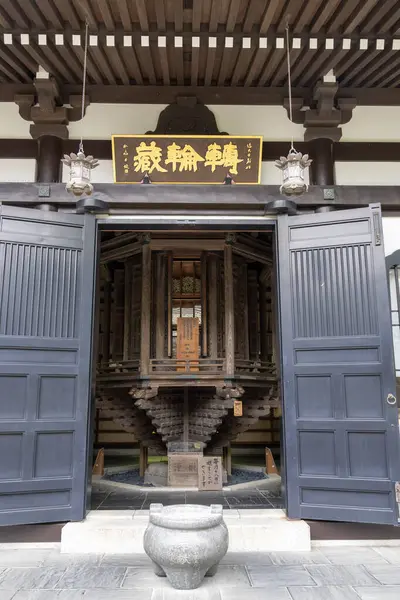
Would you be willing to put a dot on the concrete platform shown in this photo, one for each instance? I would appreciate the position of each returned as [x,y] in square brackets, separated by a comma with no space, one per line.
[121,532]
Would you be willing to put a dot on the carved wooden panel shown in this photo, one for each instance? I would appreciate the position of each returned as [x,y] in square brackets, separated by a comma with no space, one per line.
[187,341]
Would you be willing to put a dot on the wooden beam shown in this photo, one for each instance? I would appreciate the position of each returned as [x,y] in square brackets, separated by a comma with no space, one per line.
[14,63]
[241,65]
[178,14]
[158,94]
[324,13]
[16,14]
[145,331]
[194,67]
[196,16]
[232,15]
[204,305]
[214,17]
[305,17]
[259,59]
[127,309]
[216,199]
[124,13]
[117,63]
[100,59]
[211,53]
[213,305]
[159,7]
[169,309]
[377,15]
[160,304]
[120,253]
[142,14]
[250,254]
[86,8]
[359,14]
[267,19]
[252,13]
[106,14]
[229,310]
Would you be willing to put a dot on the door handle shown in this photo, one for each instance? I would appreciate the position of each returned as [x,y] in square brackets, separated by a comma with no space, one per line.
[391,399]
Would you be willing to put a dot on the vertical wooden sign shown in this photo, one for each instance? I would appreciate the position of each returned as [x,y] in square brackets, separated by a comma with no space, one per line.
[237,408]
[187,348]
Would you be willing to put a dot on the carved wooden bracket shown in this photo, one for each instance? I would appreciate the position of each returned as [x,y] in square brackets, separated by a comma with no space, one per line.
[186,116]
[45,110]
[327,113]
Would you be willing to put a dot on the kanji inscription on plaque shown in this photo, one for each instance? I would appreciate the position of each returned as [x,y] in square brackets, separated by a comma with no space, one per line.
[210,473]
[183,470]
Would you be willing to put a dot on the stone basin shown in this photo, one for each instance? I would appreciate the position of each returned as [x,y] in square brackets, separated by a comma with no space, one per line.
[186,542]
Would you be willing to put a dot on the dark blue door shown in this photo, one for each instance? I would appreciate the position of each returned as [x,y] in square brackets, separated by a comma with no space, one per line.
[46,307]
[340,415]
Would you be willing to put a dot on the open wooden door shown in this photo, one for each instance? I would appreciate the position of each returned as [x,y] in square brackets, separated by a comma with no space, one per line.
[342,452]
[47,265]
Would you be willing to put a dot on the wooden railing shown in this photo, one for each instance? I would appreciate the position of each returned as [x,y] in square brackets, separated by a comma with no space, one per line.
[209,366]
[177,367]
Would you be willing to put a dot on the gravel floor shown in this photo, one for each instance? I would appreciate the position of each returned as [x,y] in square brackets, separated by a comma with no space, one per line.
[132,477]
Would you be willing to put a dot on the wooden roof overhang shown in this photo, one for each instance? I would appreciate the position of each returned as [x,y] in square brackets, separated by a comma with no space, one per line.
[153,50]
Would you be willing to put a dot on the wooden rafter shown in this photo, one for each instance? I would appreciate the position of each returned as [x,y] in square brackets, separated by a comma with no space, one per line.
[101,61]
[268,15]
[234,8]
[50,12]
[15,13]
[86,11]
[106,14]
[323,14]
[142,14]
[160,15]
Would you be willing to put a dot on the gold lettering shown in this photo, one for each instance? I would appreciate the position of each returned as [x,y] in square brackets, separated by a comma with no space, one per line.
[187,158]
[148,158]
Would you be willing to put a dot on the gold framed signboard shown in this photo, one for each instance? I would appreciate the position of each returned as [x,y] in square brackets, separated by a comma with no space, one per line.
[200,159]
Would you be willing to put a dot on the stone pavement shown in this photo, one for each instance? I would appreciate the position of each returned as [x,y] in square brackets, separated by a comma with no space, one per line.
[329,573]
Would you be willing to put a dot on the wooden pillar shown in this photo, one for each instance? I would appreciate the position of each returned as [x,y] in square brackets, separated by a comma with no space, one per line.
[229,308]
[160,306]
[143,459]
[213,306]
[106,317]
[145,307]
[48,166]
[227,459]
[204,305]
[127,308]
[253,315]
[322,170]
[169,295]
[265,316]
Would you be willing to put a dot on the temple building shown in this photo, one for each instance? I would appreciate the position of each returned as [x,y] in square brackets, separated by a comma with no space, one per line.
[199,252]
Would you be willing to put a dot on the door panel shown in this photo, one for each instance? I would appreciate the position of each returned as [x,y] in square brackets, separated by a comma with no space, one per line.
[342,450]
[46,305]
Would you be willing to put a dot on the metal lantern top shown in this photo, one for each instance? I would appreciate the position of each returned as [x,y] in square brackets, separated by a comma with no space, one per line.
[80,169]
[292,168]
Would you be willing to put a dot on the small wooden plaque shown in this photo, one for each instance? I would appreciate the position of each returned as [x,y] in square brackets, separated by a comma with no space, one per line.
[210,473]
[183,470]
[187,348]
[238,408]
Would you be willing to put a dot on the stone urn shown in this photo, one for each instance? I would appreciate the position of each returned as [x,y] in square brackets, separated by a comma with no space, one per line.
[186,542]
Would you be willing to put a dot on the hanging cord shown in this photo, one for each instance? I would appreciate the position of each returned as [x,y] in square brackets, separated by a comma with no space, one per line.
[84,82]
[289,80]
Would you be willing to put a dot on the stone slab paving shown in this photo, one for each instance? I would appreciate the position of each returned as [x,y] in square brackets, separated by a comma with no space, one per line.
[331,573]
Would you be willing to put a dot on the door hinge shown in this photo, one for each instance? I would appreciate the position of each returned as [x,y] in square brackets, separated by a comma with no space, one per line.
[397,498]
[376,219]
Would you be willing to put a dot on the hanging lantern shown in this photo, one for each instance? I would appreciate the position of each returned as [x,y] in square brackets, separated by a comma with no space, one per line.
[80,172]
[292,168]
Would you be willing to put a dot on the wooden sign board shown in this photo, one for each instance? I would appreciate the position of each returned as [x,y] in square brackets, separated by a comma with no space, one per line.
[238,408]
[197,159]
[187,347]
[183,470]
[210,473]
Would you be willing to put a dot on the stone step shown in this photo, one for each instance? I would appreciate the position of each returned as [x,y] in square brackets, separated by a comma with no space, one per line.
[121,532]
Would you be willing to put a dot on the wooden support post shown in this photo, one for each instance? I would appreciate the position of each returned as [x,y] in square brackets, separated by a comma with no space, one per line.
[204,305]
[48,166]
[160,306]
[253,315]
[127,309]
[169,295]
[265,316]
[322,169]
[185,414]
[213,306]
[106,320]
[227,458]
[143,459]
[229,308]
[145,307]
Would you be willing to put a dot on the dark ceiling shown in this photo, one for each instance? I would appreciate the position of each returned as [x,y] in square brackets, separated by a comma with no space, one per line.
[202,42]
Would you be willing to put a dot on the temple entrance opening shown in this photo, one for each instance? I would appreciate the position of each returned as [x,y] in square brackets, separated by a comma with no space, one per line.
[187,359]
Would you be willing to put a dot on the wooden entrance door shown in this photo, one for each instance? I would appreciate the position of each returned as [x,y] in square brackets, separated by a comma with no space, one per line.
[47,263]
[342,454]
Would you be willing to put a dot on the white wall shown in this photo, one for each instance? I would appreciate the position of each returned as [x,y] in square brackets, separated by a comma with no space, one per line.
[11,124]
[367,173]
[103,120]
[17,170]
